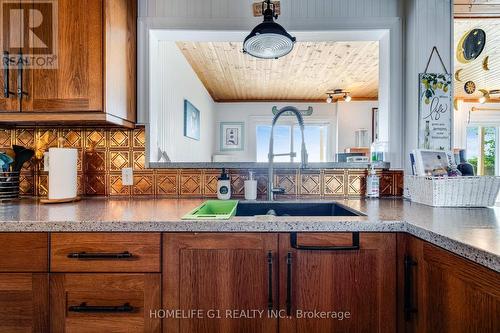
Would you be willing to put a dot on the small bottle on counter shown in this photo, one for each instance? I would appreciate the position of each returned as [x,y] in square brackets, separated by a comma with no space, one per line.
[250,187]
[372,184]
[224,186]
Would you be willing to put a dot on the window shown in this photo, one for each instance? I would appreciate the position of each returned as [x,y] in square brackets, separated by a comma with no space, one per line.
[287,138]
[482,149]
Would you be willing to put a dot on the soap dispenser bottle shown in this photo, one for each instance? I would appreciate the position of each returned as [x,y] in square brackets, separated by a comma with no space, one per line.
[250,187]
[372,184]
[224,186]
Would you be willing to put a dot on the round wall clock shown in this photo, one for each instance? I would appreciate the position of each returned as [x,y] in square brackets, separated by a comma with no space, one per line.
[471,45]
[470,87]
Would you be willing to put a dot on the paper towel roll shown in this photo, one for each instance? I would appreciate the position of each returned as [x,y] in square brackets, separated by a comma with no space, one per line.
[62,173]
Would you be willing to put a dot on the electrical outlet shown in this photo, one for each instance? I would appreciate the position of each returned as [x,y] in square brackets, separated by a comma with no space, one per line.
[127,176]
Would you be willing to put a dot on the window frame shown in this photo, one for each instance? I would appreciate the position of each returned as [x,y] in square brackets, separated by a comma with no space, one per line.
[292,123]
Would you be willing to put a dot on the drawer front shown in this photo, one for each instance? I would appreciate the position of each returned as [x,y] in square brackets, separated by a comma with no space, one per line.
[24,302]
[104,302]
[105,252]
[24,252]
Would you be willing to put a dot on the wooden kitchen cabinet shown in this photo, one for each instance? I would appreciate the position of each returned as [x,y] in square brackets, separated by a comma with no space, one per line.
[104,302]
[24,302]
[24,283]
[442,292]
[218,272]
[94,80]
[333,272]
[105,252]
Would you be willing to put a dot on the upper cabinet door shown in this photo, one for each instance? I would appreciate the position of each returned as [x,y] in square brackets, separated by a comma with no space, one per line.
[215,274]
[72,79]
[8,70]
[333,283]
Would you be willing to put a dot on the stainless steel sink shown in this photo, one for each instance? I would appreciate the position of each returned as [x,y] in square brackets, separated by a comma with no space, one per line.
[294,209]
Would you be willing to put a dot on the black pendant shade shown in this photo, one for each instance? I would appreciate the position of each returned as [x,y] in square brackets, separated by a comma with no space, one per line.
[268,40]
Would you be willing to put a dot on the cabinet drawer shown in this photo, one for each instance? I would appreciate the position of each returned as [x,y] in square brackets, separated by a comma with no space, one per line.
[24,302]
[104,302]
[24,252]
[105,252]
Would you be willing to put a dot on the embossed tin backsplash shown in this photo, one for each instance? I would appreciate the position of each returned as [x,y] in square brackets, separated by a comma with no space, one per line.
[104,152]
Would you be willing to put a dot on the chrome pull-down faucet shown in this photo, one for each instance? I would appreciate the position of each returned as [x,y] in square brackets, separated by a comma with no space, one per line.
[271,190]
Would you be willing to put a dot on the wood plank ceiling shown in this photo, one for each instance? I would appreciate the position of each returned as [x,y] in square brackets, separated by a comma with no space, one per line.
[476,8]
[305,74]
[489,78]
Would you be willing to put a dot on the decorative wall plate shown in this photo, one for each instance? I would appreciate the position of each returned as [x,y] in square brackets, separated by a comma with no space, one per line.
[471,45]
[486,64]
[470,87]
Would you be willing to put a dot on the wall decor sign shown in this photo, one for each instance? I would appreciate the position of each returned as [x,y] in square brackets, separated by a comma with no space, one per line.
[435,108]
[191,121]
[307,112]
[232,136]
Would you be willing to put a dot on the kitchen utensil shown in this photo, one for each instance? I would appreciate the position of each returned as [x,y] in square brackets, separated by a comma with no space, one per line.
[10,152]
[22,156]
[9,185]
[5,161]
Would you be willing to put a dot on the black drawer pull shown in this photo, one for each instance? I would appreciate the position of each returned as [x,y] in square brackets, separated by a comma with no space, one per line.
[6,77]
[101,308]
[409,309]
[354,246]
[20,91]
[95,255]
[270,301]
[288,300]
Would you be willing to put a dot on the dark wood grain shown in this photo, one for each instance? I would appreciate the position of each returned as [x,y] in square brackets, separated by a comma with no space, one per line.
[361,282]
[218,272]
[24,302]
[451,294]
[24,252]
[145,248]
[95,71]
[141,291]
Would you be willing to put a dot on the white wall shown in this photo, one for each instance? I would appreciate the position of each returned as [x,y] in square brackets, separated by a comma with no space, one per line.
[261,113]
[382,16]
[217,9]
[344,118]
[487,114]
[352,116]
[428,23]
[175,82]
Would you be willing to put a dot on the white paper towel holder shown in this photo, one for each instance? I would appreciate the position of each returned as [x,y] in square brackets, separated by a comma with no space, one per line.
[51,201]
[58,200]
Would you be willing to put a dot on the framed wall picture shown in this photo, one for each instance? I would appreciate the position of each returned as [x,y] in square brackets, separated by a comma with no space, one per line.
[232,136]
[191,121]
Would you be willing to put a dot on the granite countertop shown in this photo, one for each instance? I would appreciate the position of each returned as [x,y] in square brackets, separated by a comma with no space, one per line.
[471,233]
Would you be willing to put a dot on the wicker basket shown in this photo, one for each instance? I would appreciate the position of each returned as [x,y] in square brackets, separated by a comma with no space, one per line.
[477,191]
[9,185]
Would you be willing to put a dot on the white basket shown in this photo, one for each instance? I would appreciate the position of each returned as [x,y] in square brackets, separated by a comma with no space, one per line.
[477,191]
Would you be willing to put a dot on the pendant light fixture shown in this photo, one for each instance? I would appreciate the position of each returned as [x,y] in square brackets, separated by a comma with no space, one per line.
[268,40]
